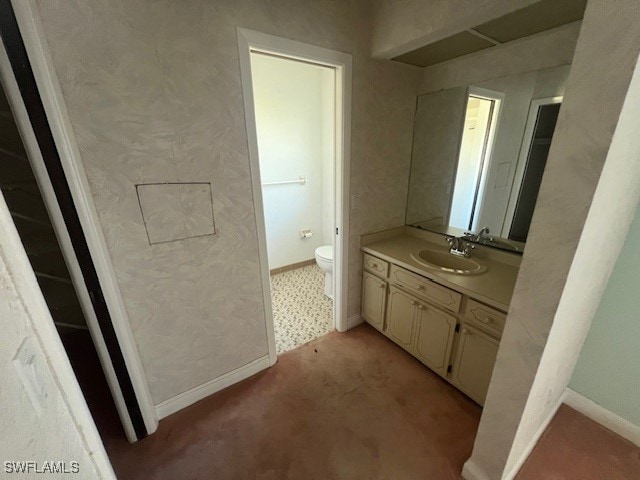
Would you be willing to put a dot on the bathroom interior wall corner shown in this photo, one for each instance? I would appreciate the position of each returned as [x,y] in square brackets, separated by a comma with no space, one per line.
[154,96]
[613,339]
[560,259]
[295,121]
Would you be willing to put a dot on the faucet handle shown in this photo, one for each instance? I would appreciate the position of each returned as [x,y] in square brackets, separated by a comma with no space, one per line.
[467,249]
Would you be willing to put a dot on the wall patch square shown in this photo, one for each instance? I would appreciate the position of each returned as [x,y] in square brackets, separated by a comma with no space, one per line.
[176,211]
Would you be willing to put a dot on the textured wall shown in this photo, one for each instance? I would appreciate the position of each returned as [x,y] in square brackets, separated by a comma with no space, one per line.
[596,89]
[436,143]
[543,51]
[154,94]
[612,342]
[402,25]
[57,429]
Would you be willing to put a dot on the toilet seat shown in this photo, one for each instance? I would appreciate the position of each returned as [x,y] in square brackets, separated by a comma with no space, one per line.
[325,252]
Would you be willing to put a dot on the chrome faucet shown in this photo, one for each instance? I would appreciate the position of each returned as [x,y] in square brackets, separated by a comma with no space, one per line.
[483,234]
[458,248]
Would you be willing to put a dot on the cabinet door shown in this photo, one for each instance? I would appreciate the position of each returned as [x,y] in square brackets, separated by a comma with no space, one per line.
[435,331]
[474,363]
[374,300]
[400,314]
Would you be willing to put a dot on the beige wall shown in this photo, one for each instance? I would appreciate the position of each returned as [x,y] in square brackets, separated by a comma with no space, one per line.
[564,269]
[402,25]
[437,134]
[154,95]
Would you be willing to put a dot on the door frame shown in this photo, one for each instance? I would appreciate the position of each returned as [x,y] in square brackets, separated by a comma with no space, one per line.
[527,139]
[252,41]
[488,157]
[116,344]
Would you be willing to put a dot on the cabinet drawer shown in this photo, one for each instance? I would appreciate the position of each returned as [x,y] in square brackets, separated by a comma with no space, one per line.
[425,288]
[487,318]
[375,265]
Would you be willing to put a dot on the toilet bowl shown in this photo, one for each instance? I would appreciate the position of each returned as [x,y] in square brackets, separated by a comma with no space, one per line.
[324,259]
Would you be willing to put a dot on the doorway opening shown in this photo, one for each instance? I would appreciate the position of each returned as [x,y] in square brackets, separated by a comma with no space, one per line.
[541,123]
[297,110]
[294,104]
[473,160]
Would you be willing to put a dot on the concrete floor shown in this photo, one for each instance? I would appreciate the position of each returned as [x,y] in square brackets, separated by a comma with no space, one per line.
[575,447]
[345,406]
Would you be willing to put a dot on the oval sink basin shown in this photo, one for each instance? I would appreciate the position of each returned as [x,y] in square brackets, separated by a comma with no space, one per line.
[448,263]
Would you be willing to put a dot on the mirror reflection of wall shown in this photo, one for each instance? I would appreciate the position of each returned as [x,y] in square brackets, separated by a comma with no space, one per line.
[479,153]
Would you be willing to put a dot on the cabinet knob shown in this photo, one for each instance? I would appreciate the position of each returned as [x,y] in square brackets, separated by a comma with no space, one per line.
[421,307]
[413,302]
[487,320]
[420,287]
[381,285]
[467,332]
[374,265]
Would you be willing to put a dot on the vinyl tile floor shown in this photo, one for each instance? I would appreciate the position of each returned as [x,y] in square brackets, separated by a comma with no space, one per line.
[301,311]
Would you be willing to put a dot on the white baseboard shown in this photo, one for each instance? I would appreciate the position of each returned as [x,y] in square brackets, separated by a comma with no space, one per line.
[354,321]
[533,441]
[183,400]
[604,417]
[470,471]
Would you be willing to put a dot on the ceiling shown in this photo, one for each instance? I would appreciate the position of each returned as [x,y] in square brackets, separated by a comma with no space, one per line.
[536,18]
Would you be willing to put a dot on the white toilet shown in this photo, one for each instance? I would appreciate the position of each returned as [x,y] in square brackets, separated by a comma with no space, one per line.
[324,259]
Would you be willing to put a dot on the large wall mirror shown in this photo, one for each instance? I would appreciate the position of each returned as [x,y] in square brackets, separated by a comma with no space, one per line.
[479,152]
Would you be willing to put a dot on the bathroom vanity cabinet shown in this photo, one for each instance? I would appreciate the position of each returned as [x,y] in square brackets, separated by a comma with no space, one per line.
[452,333]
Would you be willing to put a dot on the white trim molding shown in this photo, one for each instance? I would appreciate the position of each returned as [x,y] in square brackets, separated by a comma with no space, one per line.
[604,417]
[252,41]
[185,399]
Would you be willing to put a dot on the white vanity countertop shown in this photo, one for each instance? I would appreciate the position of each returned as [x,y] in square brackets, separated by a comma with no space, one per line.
[493,287]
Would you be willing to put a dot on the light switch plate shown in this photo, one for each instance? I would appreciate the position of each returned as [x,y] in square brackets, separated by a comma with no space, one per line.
[26,363]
